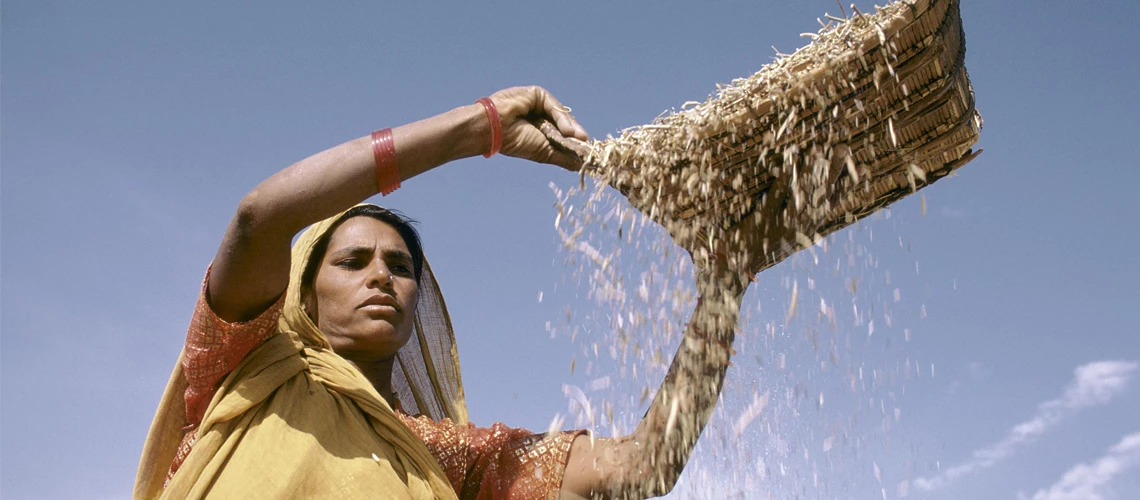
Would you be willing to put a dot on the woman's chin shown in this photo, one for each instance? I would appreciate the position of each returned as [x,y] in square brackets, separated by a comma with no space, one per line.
[370,346]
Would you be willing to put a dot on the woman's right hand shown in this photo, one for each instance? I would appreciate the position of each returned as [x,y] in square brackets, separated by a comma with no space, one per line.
[521,111]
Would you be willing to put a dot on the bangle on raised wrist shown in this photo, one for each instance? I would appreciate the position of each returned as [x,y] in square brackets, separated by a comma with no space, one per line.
[496,126]
[384,152]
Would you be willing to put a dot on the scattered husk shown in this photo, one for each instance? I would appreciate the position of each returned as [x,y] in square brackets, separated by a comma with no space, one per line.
[873,109]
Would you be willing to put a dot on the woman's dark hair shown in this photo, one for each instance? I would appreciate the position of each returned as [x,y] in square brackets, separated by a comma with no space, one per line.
[402,224]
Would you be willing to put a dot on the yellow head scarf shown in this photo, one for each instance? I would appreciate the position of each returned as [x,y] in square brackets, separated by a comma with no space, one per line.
[294,419]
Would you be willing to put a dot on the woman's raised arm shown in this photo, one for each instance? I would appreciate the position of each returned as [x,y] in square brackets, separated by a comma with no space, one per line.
[251,268]
[648,462]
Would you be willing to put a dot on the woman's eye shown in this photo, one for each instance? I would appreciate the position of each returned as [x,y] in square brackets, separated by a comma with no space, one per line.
[350,264]
[401,269]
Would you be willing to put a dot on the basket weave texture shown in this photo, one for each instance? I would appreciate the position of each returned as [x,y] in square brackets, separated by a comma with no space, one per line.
[876,107]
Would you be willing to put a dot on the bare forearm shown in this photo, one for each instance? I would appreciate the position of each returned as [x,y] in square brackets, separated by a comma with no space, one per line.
[251,267]
[691,388]
[331,181]
[648,462]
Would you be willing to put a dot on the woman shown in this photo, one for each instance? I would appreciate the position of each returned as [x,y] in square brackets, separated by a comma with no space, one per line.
[286,385]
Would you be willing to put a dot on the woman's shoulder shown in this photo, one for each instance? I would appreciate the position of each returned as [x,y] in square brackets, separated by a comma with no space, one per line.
[214,347]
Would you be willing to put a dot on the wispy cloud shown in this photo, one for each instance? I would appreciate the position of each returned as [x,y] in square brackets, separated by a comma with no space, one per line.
[1094,481]
[1093,384]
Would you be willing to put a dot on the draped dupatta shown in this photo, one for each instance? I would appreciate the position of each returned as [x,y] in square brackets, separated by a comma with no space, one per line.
[294,419]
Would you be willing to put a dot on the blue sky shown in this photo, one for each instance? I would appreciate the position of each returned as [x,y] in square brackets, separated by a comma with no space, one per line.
[131,129]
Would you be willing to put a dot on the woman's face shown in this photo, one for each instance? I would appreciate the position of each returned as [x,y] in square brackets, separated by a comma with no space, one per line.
[366,290]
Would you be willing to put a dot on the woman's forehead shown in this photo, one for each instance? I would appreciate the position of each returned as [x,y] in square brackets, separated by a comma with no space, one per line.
[366,232]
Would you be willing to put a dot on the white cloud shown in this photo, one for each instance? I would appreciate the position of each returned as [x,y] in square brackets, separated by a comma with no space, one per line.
[1094,481]
[1093,384]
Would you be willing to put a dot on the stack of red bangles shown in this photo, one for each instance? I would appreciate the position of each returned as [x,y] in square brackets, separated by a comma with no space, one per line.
[384,149]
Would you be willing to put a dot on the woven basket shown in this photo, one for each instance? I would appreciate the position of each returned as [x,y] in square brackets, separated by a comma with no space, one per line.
[875,108]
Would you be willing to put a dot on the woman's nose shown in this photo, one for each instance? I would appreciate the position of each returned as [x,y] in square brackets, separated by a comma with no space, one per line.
[381,276]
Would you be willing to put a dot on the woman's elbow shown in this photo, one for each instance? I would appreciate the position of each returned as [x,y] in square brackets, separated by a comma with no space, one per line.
[256,214]
[642,483]
[250,210]
[637,473]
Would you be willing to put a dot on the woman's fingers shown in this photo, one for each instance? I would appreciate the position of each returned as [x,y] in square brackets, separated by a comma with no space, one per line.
[560,114]
[522,110]
[566,161]
[535,103]
[546,150]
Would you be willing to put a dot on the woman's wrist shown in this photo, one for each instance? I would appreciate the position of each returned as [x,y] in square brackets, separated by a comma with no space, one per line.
[460,133]
[472,134]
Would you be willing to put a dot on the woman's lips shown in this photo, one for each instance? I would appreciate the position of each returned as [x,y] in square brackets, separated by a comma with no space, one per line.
[385,300]
[380,304]
[379,309]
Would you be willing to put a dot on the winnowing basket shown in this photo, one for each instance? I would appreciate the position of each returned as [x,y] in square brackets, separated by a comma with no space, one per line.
[873,109]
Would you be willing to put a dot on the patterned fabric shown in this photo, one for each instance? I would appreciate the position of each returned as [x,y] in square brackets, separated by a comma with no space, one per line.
[480,463]
[295,420]
[183,450]
[496,462]
[214,347]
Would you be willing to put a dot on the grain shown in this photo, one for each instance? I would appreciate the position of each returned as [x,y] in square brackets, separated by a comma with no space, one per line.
[876,107]
[872,110]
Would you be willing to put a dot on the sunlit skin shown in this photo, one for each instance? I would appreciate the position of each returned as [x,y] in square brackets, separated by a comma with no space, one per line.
[366,294]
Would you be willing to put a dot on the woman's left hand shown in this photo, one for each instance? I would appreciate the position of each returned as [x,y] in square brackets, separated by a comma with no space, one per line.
[521,110]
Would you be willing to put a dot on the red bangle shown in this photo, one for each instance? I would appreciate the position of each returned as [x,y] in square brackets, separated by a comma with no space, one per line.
[384,152]
[496,127]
